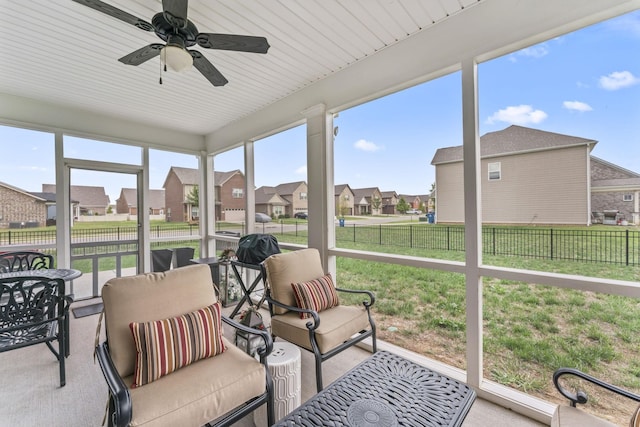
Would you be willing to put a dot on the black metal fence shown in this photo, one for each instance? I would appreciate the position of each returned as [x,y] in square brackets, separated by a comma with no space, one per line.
[600,246]
[615,246]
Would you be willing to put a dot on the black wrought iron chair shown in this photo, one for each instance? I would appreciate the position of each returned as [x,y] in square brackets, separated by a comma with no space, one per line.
[571,416]
[24,260]
[325,333]
[33,310]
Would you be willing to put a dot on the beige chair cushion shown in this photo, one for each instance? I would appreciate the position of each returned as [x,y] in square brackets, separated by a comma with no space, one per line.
[148,297]
[338,325]
[568,416]
[291,267]
[200,392]
[635,419]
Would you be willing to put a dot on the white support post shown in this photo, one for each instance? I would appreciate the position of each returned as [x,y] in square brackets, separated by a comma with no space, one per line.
[321,227]
[250,190]
[472,221]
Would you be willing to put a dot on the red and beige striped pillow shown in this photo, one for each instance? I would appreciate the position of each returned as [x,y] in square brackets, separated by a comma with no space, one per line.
[164,346]
[318,294]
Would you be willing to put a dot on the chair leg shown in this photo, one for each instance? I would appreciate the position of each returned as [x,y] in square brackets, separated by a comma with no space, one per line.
[318,373]
[62,348]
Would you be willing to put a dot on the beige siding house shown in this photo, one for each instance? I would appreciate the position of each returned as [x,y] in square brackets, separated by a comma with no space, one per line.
[528,176]
[367,201]
[92,200]
[615,193]
[127,203]
[269,202]
[296,194]
[343,200]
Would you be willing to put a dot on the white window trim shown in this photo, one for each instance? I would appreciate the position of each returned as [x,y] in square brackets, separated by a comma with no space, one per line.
[493,168]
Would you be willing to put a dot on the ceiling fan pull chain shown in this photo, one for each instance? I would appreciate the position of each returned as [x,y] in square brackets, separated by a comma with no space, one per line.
[160,71]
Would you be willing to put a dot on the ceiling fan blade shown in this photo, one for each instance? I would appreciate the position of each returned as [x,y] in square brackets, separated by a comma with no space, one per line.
[175,11]
[233,42]
[207,69]
[116,13]
[142,55]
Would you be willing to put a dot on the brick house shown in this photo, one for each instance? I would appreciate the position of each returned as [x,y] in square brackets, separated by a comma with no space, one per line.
[20,208]
[91,200]
[615,191]
[127,203]
[365,201]
[229,190]
[343,200]
[531,176]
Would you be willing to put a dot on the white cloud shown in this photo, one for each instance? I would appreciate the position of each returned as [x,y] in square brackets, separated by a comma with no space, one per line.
[535,52]
[518,115]
[618,80]
[577,106]
[302,170]
[365,145]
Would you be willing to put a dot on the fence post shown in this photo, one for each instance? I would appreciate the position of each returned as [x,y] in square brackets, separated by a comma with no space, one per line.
[380,234]
[493,236]
[448,238]
[627,246]
[354,233]
[551,242]
[411,236]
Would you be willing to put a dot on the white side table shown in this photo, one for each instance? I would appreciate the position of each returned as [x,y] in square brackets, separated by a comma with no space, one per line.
[284,365]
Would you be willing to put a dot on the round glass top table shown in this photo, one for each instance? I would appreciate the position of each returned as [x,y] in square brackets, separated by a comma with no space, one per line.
[50,273]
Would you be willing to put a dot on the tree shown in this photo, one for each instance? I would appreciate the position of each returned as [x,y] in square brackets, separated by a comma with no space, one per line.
[403,206]
[343,207]
[193,197]
[376,203]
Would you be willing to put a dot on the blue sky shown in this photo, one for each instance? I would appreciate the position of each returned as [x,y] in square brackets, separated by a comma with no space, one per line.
[584,84]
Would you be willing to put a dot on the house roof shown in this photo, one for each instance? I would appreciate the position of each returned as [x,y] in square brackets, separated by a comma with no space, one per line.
[620,169]
[288,187]
[86,195]
[156,198]
[338,189]
[388,194]
[267,196]
[512,140]
[190,176]
[25,192]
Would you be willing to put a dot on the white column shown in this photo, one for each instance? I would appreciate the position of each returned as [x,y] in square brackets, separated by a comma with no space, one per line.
[472,220]
[321,231]
[250,188]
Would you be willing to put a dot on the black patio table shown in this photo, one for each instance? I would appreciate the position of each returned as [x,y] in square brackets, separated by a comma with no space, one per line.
[50,273]
[386,390]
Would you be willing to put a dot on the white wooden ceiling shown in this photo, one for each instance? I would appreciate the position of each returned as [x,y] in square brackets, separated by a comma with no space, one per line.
[64,53]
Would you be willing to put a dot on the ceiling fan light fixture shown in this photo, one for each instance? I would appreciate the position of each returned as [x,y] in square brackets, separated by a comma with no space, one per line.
[177,58]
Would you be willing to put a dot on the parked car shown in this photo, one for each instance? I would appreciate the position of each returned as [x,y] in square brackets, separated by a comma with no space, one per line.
[261,217]
[414,212]
[301,215]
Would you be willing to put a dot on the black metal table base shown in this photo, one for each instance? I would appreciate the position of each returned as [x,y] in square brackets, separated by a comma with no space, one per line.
[386,390]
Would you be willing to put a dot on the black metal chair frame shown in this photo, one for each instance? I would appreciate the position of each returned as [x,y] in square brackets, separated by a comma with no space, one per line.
[313,325]
[120,410]
[580,397]
[24,260]
[34,310]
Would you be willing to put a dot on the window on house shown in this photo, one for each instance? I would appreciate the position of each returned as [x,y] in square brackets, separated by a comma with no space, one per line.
[237,193]
[494,171]
[627,197]
[303,196]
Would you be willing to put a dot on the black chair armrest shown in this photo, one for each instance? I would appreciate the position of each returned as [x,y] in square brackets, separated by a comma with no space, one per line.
[119,393]
[580,396]
[372,297]
[266,337]
[314,314]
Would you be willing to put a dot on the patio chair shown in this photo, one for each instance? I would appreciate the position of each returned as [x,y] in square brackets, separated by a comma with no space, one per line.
[325,328]
[199,376]
[24,260]
[571,416]
[182,256]
[33,310]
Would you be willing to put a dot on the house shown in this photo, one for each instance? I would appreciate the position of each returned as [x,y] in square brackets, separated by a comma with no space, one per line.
[343,200]
[520,172]
[269,202]
[367,201]
[127,203]
[389,201]
[296,194]
[414,202]
[20,208]
[182,182]
[614,190]
[91,200]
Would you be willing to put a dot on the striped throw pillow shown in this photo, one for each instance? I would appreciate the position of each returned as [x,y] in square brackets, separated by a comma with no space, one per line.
[164,346]
[319,294]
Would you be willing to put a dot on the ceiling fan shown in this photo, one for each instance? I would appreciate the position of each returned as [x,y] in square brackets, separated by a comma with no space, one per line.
[179,33]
